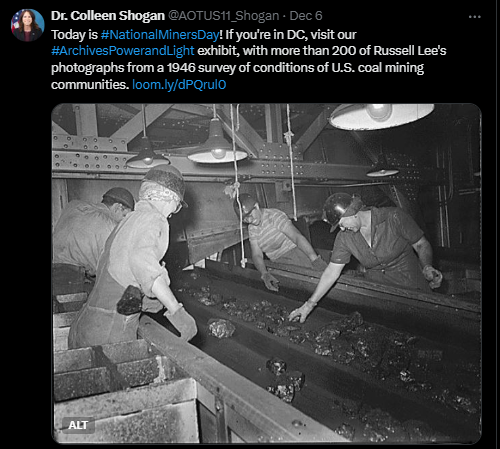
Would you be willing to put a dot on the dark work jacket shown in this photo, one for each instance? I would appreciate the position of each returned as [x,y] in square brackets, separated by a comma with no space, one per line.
[391,258]
[34,34]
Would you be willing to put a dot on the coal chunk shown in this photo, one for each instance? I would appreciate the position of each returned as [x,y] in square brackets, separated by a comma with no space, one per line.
[276,366]
[220,328]
[284,391]
[297,379]
[346,430]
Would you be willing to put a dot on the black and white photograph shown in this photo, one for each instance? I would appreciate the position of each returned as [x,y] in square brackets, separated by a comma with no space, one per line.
[266,272]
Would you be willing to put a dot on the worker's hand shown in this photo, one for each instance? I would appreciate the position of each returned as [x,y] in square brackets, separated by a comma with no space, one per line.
[302,312]
[270,281]
[319,264]
[433,276]
[183,322]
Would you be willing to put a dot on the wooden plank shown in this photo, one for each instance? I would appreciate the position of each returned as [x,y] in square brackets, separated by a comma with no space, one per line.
[126,402]
[73,360]
[72,297]
[120,376]
[76,384]
[60,336]
[167,424]
[63,319]
[268,413]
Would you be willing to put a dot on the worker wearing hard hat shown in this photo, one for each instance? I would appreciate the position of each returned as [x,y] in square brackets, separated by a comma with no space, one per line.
[386,241]
[83,228]
[130,278]
[272,233]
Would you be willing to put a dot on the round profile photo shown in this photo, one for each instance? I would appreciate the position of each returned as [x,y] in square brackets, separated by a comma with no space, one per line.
[27,25]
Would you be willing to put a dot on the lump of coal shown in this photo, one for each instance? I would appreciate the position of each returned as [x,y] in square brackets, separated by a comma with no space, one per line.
[206,301]
[284,391]
[406,376]
[276,366]
[297,379]
[248,316]
[351,322]
[346,431]
[322,349]
[297,336]
[420,432]
[261,324]
[220,328]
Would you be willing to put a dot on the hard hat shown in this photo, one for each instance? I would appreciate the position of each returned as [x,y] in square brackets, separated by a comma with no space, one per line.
[170,177]
[340,205]
[120,195]
[247,205]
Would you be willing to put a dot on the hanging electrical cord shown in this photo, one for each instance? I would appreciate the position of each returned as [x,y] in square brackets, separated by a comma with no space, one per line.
[288,138]
[236,184]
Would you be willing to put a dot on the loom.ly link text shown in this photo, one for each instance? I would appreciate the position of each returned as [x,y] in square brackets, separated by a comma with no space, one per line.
[179,84]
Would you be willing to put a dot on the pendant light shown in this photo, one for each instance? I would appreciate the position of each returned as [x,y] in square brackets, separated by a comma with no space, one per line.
[216,149]
[146,158]
[377,116]
[382,168]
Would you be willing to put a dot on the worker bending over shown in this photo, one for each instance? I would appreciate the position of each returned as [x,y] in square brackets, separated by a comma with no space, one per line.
[130,278]
[386,241]
[271,232]
[83,228]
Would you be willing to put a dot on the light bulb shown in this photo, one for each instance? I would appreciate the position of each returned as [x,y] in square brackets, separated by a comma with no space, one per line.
[218,153]
[379,112]
[148,160]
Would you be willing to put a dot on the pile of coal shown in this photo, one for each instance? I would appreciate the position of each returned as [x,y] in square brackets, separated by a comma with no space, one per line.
[220,328]
[346,430]
[285,384]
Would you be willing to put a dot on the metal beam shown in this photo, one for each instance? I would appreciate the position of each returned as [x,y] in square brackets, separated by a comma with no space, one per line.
[274,126]
[314,129]
[86,119]
[99,164]
[134,126]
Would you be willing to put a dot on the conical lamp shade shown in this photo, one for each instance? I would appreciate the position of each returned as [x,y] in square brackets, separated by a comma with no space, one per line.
[146,158]
[377,116]
[216,149]
[382,168]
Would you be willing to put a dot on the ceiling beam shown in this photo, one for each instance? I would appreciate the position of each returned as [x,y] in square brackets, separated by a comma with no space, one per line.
[314,129]
[246,137]
[134,126]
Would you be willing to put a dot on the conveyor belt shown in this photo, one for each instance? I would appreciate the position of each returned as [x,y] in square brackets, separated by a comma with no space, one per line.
[337,394]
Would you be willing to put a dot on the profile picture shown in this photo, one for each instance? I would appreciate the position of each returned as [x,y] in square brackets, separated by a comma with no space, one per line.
[27,25]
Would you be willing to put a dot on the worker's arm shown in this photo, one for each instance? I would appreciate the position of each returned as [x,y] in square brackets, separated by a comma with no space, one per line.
[328,278]
[182,321]
[258,259]
[423,249]
[161,290]
[303,244]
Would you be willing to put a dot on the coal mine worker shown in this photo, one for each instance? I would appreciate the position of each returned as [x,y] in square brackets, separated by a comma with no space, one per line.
[386,241]
[83,228]
[272,233]
[130,278]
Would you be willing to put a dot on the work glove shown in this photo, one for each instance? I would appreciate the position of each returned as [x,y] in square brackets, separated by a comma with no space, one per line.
[183,322]
[270,281]
[433,276]
[319,264]
[302,312]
